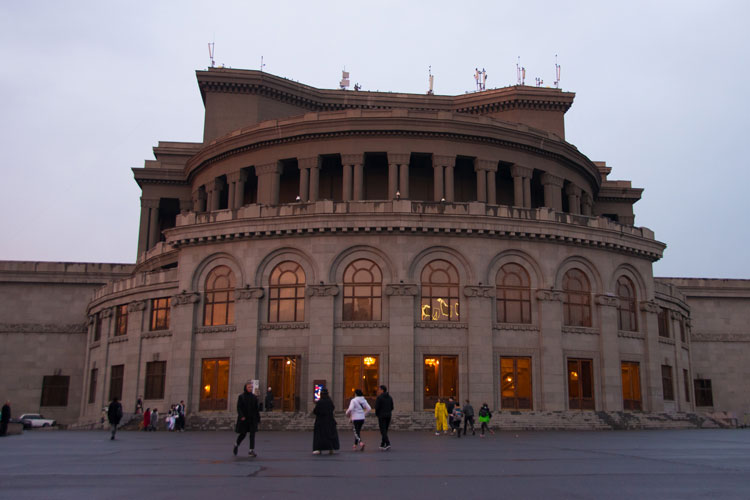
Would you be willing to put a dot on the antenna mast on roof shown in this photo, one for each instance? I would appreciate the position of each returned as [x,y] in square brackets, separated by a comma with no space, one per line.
[431,79]
[211,52]
[261,64]
[344,83]
[557,73]
[520,73]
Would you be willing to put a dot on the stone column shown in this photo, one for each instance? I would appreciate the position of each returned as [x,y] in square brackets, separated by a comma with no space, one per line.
[574,198]
[315,181]
[144,233]
[483,168]
[653,395]
[185,307]
[403,179]
[154,231]
[586,204]
[321,350]
[400,369]
[306,180]
[552,191]
[611,376]
[199,200]
[268,183]
[437,181]
[186,204]
[239,187]
[359,179]
[401,163]
[449,192]
[491,187]
[552,361]
[137,321]
[443,176]
[521,185]
[346,188]
[480,354]
[392,180]
[244,363]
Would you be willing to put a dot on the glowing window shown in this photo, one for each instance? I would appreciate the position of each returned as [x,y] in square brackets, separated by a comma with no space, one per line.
[219,306]
[362,291]
[286,290]
[439,292]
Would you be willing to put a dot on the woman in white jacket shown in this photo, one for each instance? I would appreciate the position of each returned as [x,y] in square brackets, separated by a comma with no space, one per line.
[358,408]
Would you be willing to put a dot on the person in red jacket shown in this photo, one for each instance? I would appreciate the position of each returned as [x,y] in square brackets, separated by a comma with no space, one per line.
[146,419]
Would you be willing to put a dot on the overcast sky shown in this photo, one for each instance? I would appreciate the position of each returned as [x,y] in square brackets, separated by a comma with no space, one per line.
[90,87]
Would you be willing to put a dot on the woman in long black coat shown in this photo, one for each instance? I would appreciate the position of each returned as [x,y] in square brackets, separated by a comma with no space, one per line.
[325,435]
[248,418]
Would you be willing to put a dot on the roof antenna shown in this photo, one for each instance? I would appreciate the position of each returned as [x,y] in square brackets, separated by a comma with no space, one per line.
[211,52]
[261,64]
[344,83]
[557,73]
[520,73]
[431,80]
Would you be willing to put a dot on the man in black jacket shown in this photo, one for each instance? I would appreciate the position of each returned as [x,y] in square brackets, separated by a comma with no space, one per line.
[383,410]
[114,415]
[5,419]
[248,418]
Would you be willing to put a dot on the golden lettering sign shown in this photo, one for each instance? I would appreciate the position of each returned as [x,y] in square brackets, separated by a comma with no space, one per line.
[438,313]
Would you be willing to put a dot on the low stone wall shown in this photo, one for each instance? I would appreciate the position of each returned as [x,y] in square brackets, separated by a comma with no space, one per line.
[14,429]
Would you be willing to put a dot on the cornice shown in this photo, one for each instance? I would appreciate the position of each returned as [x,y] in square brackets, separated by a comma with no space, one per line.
[66,328]
[441,324]
[360,324]
[516,327]
[719,337]
[580,330]
[215,329]
[285,326]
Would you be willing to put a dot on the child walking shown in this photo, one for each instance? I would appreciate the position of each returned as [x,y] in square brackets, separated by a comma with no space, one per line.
[484,419]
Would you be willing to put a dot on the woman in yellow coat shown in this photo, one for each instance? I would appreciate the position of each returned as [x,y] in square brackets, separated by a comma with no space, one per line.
[441,417]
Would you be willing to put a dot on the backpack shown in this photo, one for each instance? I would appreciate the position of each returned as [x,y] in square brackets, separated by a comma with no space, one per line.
[484,412]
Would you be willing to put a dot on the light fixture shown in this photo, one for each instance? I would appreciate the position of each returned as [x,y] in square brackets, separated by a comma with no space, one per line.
[574,375]
[369,360]
[206,388]
[431,362]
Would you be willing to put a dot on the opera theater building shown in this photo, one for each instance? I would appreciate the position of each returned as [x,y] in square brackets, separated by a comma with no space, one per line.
[444,246]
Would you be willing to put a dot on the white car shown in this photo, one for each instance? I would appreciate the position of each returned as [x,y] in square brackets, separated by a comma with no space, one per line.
[30,420]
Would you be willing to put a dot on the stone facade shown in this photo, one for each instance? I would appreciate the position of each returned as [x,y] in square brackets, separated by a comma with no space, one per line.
[335,231]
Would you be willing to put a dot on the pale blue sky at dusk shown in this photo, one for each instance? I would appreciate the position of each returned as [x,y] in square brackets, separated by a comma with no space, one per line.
[90,87]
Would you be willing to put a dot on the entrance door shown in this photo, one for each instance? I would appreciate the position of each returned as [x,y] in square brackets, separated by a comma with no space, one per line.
[440,379]
[631,386]
[361,372]
[214,384]
[284,382]
[580,384]
[515,383]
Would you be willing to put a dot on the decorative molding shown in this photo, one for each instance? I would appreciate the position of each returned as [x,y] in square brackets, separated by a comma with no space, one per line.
[519,327]
[185,298]
[719,337]
[675,315]
[322,290]
[285,326]
[215,329]
[92,320]
[631,335]
[607,300]
[666,340]
[249,292]
[549,295]
[106,313]
[479,291]
[580,330]
[43,328]
[268,168]
[441,324]
[156,334]
[118,339]
[95,344]
[650,306]
[402,289]
[138,305]
[361,324]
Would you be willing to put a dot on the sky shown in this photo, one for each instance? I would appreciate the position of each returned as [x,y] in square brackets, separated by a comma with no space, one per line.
[90,88]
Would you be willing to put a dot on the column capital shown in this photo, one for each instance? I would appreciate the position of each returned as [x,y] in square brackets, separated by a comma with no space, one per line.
[150,203]
[138,305]
[233,176]
[552,180]
[521,171]
[572,189]
[401,289]
[322,290]
[399,158]
[268,168]
[352,159]
[488,165]
[249,292]
[309,162]
[185,298]
[549,295]
[479,291]
[443,161]
[650,306]
[607,300]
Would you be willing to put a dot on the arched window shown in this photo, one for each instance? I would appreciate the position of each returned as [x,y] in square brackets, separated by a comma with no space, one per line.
[286,289]
[513,294]
[439,292]
[219,307]
[362,291]
[626,316]
[577,304]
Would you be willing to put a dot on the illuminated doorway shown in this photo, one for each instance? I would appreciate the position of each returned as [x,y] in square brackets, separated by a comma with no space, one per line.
[580,384]
[631,386]
[440,379]
[283,379]
[515,383]
[361,372]
[214,384]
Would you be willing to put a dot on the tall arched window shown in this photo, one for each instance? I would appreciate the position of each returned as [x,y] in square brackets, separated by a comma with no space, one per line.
[577,304]
[626,316]
[219,307]
[362,291]
[513,294]
[439,292]
[286,289]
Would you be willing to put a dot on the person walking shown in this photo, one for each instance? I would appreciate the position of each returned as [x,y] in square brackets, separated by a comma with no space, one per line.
[269,400]
[248,418]
[154,420]
[441,417]
[469,418]
[358,408]
[458,415]
[146,419]
[325,435]
[114,415]
[383,410]
[449,408]
[180,422]
[139,405]
[484,419]
[4,418]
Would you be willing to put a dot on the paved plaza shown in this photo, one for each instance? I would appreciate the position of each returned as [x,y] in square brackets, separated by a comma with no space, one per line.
[638,464]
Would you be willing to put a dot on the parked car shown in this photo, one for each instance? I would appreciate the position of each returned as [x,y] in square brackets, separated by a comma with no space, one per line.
[30,420]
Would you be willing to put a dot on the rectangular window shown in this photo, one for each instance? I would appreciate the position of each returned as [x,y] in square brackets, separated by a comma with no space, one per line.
[666,382]
[686,381]
[440,379]
[55,390]
[92,385]
[214,384]
[97,327]
[156,374]
[361,372]
[283,379]
[703,392]
[121,320]
[663,322]
[160,313]
[580,384]
[117,374]
[515,383]
[631,386]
